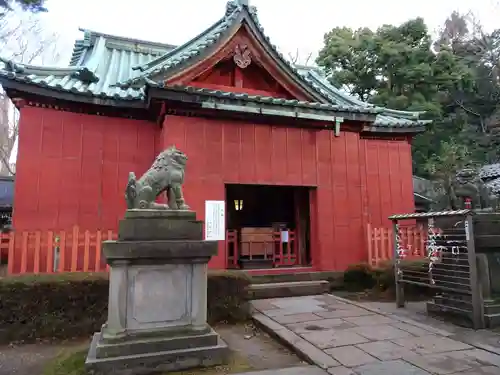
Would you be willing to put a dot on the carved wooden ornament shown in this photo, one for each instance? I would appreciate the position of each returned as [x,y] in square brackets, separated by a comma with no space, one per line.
[242,56]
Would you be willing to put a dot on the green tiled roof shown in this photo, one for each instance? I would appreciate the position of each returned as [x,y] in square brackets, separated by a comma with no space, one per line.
[235,15]
[111,67]
[385,118]
[98,63]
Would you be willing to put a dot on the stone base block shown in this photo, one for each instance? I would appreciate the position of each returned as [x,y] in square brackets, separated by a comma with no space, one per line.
[154,225]
[155,355]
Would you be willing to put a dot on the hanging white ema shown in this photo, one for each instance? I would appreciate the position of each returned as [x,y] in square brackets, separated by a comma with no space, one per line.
[215,221]
[285,237]
[338,121]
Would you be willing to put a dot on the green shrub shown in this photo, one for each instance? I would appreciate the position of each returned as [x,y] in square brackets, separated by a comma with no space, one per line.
[384,276]
[359,277]
[70,305]
[227,296]
[380,278]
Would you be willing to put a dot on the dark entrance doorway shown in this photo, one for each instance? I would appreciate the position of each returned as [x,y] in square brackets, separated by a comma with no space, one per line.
[267,226]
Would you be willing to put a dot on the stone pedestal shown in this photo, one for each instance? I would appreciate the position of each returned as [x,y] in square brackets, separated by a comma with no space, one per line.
[157,312]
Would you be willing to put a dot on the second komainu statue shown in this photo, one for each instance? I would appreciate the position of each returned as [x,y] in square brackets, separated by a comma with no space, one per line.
[165,176]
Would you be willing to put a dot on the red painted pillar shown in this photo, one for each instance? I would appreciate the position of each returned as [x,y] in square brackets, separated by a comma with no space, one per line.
[186,133]
[314,237]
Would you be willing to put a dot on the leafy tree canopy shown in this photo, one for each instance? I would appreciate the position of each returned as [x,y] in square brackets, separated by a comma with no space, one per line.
[454,78]
[28,5]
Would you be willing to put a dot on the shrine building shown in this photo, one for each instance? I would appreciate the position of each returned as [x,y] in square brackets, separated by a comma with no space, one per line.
[302,166]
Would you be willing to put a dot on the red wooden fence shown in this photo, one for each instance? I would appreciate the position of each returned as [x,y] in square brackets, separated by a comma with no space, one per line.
[77,250]
[54,251]
[380,243]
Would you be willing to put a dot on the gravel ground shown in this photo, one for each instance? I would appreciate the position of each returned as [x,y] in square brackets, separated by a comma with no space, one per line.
[27,359]
[261,351]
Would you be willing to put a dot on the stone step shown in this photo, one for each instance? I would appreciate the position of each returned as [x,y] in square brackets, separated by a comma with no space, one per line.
[299,370]
[452,302]
[157,362]
[453,314]
[464,303]
[492,308]
[492,320]
[294,276]
[288,289]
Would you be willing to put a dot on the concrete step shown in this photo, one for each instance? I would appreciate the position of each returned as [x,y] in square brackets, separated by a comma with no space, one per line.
[288,289]
[294,276]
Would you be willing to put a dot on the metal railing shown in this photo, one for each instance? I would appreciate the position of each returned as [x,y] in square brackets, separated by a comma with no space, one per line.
[449,267]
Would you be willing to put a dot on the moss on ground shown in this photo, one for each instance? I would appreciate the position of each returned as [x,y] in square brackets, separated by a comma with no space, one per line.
[68,362]
[72,362]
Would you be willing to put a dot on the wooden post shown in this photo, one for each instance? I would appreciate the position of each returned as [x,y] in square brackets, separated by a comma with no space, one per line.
[369,244]
[24,252]
[475,287]
[86,251]
[400,298]
[49,266]
[62,252]
[10,259]
[98,250]
[37,250]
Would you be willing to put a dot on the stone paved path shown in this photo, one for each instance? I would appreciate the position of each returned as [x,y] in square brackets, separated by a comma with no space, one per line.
[346,338]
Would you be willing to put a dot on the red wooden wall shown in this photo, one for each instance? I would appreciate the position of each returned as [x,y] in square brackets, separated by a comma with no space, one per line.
[358,181]
[72,168]
[390,179]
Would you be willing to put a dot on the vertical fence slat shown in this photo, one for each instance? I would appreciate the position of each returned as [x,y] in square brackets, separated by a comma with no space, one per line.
[86,251]
[10,259]
[387,245]
[36,261]
[376,237]
[110,237]
[24,253]
[62,251]
[98,242]
[423,238]
[74,250]
[371,257]
[49,267]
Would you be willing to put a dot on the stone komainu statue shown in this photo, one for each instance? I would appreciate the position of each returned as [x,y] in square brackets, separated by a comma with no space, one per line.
[166,175]
[467,184]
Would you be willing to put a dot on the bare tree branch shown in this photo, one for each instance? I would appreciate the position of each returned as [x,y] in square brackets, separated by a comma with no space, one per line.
[295,59]
[23,39]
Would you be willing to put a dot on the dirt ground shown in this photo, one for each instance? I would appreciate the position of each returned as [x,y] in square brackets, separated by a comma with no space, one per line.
[261,351]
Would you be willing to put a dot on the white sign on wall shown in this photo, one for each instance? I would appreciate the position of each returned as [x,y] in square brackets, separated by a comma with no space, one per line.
[215,221]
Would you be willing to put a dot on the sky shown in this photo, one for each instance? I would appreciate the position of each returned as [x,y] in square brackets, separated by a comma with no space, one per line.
[292,25]
[296,27]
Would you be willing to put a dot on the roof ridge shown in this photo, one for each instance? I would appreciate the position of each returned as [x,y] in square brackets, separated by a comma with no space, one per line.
[151,63]
[81,73]
[232,11]
[90,37]
[94,34]
[22,67]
